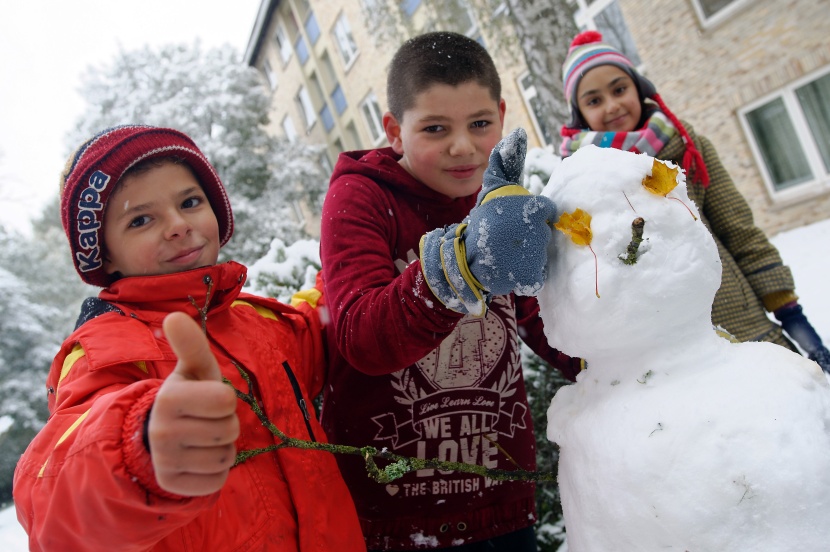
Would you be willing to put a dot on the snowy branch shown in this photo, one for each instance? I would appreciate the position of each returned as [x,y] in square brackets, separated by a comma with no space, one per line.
[399,466]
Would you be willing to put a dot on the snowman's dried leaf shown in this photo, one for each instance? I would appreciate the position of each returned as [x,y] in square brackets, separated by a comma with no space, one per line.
[577,226]
[662,180]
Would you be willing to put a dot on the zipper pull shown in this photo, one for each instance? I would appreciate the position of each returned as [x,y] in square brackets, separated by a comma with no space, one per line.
[304,409]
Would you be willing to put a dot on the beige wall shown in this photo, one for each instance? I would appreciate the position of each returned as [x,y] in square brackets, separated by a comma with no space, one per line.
[367,73]
[706,75]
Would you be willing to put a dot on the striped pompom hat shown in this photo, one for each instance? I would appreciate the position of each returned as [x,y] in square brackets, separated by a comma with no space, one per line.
[93,171]
[588,51]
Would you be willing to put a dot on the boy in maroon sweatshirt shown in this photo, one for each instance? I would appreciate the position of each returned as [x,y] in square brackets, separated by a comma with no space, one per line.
[429,286]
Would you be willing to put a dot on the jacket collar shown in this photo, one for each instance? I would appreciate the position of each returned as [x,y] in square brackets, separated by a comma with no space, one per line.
[143,295]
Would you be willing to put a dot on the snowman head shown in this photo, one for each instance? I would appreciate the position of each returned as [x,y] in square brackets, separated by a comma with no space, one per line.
[599,305]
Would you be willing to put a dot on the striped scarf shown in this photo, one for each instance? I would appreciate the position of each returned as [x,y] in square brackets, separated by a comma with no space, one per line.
[650,139]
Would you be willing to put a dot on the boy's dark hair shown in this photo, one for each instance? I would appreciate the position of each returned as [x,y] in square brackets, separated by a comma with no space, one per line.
[437,58]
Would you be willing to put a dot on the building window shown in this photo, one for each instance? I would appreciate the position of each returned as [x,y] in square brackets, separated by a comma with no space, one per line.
[534,108]
[606,17]
[713,12]
[354,138]
[373,117]
[789,132]
[270,74]
[289,129]
[339,100]
[327,72]
[306,107]
[325,164]
[326,117]
[302,49]
[345,41]
[312,29]
[283,44]
[409,6]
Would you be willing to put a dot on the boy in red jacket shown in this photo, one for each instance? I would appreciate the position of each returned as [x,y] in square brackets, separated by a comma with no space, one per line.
[140,447]
[429,286]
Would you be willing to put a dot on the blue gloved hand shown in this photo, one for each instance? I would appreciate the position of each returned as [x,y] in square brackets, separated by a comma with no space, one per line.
[501,247]
[801,331]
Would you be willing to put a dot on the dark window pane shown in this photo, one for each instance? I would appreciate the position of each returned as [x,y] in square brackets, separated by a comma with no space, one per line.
[815,102]
[780,149]
[711,7]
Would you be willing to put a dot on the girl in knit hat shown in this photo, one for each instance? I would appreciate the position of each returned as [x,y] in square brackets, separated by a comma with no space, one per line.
[613,105]
[140,449]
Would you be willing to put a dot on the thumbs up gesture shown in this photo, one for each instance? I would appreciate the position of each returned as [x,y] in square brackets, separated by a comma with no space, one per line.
[193,423]
[501,247]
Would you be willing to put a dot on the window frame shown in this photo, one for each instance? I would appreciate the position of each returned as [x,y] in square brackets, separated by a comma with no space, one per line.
[338,98]
[312,28]
[270,75]
[366,102]
[284,44]
[291,135]
[306,106]
[302,49]
[327,117]
[720,16]
[341,24]
[820,183]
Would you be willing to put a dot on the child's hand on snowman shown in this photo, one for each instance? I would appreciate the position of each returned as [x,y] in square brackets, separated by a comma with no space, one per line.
[501,247]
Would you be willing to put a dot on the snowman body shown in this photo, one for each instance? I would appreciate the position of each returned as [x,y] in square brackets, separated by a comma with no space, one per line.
[674,438]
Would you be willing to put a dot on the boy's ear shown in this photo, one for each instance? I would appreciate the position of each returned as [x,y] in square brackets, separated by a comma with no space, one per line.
[502,110]
[393,132]
[109,268]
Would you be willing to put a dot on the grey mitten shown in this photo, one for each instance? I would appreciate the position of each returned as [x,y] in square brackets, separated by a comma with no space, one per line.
[501,247]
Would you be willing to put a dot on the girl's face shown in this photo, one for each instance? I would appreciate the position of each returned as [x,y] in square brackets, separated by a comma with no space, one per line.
[608,100]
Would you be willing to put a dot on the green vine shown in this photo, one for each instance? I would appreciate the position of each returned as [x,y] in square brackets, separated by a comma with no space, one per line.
[399,466]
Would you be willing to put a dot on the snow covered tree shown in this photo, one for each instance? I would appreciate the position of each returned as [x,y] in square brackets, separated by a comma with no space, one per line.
[545,29]
[538,31]
[40,295]
[223,105]
[542,382]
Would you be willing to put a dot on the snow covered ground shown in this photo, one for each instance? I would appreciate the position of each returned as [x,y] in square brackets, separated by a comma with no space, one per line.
[806,250]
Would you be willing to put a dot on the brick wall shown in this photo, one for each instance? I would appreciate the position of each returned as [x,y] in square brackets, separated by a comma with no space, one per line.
[706,75]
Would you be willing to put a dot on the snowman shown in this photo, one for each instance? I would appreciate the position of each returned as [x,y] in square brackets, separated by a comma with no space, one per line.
[674,437]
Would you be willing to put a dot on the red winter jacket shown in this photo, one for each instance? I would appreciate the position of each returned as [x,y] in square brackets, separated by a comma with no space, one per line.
[412,376]
[86,482]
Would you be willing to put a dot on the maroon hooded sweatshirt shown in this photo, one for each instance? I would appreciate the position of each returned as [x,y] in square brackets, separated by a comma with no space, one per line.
[411,376]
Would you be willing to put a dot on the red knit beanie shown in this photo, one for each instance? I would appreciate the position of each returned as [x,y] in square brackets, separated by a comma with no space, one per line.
[588,51]
[93,172]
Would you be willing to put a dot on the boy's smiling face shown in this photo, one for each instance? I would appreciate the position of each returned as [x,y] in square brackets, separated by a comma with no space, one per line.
[159,222]
[446,137]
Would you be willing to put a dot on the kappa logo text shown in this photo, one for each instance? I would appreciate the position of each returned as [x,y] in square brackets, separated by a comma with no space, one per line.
[89,221]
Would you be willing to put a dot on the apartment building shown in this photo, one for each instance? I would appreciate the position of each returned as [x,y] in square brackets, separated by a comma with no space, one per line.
[752,75]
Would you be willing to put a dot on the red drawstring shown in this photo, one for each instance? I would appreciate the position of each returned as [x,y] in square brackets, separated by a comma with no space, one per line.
[692,159]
